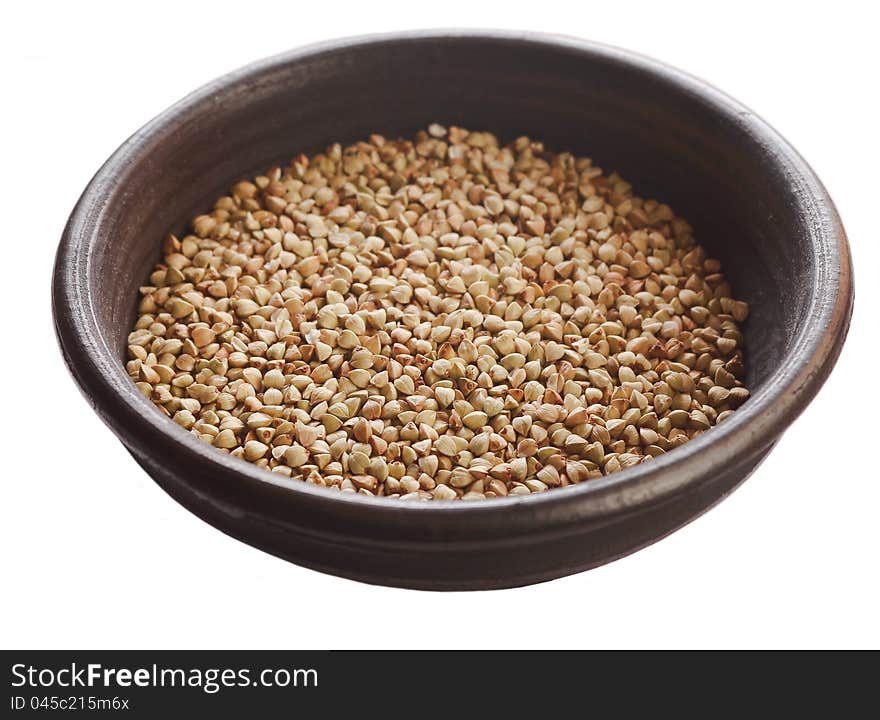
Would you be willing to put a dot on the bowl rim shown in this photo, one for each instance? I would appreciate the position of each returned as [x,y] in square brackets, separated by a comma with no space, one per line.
[751,429]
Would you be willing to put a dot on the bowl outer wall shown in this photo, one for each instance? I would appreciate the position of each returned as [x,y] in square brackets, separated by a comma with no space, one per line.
[233,487]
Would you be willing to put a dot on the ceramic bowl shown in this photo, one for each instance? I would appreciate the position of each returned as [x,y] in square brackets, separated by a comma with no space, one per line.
[752,199]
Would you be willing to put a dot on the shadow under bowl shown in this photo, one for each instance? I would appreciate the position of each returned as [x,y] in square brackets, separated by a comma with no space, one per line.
[754,203]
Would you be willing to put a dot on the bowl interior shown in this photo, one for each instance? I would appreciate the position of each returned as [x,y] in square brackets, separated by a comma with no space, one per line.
[672,144]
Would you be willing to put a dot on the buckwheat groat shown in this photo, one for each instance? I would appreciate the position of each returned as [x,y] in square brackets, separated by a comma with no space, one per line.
[440,318]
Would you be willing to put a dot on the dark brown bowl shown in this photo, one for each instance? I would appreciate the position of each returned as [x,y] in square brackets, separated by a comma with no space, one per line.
[754,202]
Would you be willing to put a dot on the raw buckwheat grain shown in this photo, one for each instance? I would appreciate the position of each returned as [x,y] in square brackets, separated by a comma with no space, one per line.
[443,318]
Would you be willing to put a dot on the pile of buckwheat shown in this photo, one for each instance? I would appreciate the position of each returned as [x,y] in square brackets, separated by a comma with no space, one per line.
[439,318]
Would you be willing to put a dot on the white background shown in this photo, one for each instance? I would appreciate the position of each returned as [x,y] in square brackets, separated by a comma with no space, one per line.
[95,555]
